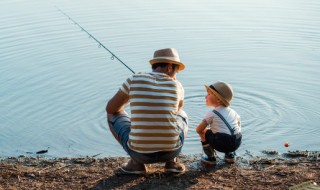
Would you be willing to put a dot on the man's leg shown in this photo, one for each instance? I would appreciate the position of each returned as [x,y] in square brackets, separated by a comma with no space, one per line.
[173,165]
[182,122]
[119,125]
[110,123]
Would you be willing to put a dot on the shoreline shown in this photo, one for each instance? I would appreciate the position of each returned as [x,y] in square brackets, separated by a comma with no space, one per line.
[273,171]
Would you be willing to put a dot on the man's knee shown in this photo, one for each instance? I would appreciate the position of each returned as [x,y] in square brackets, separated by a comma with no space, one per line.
[119,125]
[183,123]
[184,115]
[112,117]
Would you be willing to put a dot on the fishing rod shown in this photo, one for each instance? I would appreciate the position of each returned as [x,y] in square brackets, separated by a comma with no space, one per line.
[100,44]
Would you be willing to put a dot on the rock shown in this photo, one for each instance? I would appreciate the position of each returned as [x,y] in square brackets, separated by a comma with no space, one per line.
[270,152]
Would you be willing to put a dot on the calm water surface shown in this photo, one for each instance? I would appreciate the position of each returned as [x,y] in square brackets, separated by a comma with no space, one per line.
[55,81]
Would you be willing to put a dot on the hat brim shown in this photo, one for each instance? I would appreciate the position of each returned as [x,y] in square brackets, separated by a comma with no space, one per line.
[181,65]
[219,96]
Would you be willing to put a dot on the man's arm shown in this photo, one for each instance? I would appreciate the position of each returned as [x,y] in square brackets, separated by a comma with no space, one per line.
[117,103]
[181,103]
[180,92]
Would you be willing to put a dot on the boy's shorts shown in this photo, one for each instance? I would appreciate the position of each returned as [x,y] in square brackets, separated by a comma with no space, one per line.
[121,125]
[223,142]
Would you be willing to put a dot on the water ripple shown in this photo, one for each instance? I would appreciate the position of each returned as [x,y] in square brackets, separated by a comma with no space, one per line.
[55,81]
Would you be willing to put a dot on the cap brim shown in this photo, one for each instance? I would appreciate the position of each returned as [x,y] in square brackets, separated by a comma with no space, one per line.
[217,94]
[181,65]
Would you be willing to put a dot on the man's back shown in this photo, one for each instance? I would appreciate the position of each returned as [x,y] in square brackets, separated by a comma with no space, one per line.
[154,99]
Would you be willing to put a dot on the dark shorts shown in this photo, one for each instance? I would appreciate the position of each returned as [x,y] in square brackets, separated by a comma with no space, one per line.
[121,125]
[223,142]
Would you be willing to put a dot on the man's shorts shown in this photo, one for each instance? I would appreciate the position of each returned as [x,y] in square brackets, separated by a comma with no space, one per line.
[121,125]
[223,142]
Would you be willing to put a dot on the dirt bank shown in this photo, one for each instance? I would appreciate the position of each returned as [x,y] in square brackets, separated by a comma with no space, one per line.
[273,171]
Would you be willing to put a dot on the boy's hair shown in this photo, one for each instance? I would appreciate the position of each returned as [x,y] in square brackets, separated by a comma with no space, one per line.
[162,65]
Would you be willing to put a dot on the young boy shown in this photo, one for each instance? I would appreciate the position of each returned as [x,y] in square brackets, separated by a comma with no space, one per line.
[225,126]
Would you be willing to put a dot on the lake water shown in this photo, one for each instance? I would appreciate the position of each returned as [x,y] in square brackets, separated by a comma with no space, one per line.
[55,81]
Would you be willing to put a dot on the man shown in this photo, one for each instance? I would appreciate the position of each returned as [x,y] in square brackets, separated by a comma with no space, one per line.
[157,127]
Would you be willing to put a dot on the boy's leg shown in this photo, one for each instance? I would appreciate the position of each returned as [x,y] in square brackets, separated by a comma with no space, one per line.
[229,157]
[209,152]
[207,149]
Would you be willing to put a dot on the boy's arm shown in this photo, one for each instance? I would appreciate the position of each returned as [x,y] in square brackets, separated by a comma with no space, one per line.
[201,127]
[201,130]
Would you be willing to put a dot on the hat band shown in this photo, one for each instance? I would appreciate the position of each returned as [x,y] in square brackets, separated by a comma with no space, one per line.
[213,88]
[169,58]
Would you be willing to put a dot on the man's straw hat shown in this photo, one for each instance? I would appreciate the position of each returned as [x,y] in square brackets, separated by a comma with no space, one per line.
[168,55]
[222,90]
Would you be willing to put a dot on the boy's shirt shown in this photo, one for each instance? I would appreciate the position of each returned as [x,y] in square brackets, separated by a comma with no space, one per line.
[218,126]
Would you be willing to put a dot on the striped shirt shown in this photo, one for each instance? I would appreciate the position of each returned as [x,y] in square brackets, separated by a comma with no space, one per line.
[154,99]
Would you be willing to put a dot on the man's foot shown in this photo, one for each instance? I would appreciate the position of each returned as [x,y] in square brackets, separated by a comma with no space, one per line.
[229,157]
[133,167]
[174,167]
[208,160]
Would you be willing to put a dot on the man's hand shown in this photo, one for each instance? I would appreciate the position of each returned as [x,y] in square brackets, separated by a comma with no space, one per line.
[181,103]
[117,102]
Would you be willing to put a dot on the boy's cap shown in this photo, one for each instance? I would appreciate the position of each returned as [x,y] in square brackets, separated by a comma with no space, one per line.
[223,90]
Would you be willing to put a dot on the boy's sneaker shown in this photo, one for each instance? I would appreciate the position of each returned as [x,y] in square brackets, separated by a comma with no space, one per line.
[174,167]
[229,157]
[208,160]
[133,167]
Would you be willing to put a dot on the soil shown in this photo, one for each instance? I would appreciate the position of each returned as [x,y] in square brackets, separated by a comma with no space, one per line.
[294,170]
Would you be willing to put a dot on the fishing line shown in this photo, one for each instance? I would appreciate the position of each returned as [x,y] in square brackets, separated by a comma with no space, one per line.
[100,44]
